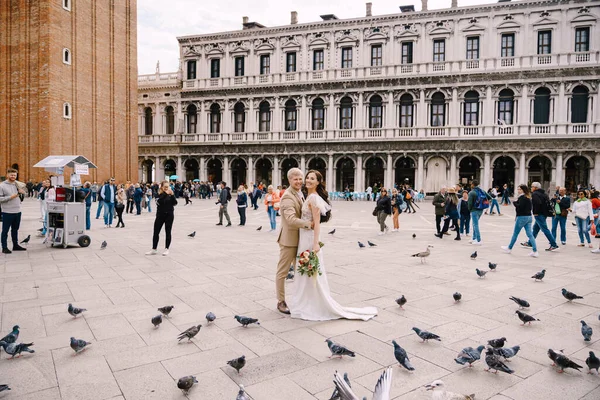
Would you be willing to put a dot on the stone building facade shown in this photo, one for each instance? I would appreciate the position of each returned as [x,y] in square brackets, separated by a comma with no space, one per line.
[68,84]
[503,93]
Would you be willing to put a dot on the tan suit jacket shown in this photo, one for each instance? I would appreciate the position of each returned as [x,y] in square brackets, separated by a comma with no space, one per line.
[291,211]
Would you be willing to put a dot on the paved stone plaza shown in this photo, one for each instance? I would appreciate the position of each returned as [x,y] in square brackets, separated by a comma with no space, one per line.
[231,271]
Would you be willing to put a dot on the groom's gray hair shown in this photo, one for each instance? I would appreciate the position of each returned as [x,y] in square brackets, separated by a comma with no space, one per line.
[294,172]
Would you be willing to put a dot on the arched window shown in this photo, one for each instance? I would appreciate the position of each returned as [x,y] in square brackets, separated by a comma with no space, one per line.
[67,56]
[170,116]
[264,117]
[438,109]
[192,118]
[215,118]
[67,110]
[541,106]
[318,114]
[406,111]
[291,115]
[346,113]
[579,105]
[240,117]
[506,105]
[375,112]
[471,110]
[148,121]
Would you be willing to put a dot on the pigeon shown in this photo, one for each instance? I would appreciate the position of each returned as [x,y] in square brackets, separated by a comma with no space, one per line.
[586,331]
[78,345]
[539,275]
[74,311]
[469,355]
[157,320]
[331,232]
[186,383]
[423,254]
[401,301]
[592,362]
[497,343]
[242,394]
[12,336]
[426,336]
[336,394]
[192,235]
[338,350]
[474,255]
[381,391]
[440,393]
[4,387]
[259,228]
[457,296]
[210,317]
[245,321]
[526,318]
[570,295]
[414,235]
[562,361]
[522,303]
[26,240]
[402,357]
[360,245]
[166,310]
[493,362]
[15,349]
[507,352]
[237,363]
[492,266]
[371,244]
[189,333]
[480,273]
[103,245]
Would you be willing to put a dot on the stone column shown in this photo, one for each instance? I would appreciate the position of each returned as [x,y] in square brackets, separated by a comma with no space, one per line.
[421,114]
[420,173]
[524,117]
[389,179]
[302,116]
[453,174]
[522,170]
[179,124]
[202,119]
[202,172]
[141,125]
[488,109]
[250,170]
[454,111]
[157,126]
[276,119]
[596,178]
[330,177]
[250,118]
[360,112]
[180,169]
[359,177]
[276,172]
[559,176]
[486,172]
[390,112]
[331,113]
[226,171]
[226,126]
[159,170]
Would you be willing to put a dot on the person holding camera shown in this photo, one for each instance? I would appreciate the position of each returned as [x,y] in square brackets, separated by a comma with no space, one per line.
[10,198]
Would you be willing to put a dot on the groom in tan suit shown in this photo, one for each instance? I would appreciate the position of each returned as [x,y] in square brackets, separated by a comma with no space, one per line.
[291,211]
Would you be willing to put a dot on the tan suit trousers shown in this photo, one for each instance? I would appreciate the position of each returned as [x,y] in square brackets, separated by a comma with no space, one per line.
[287,257]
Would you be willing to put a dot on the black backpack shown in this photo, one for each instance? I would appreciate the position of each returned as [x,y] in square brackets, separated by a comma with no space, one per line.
[228,193]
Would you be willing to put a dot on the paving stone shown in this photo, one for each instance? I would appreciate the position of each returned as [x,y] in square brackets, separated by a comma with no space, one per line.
[149,381]
[109,326]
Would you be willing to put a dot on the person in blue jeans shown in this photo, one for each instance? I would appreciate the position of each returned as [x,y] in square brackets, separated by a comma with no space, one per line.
[108,193]
[137,199]
[476,210]
[562,204]
[493,192]
[540,203]
[88,204]
[272,203]
[523,220]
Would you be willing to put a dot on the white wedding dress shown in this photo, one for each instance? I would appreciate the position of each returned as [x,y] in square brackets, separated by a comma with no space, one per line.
[311,298]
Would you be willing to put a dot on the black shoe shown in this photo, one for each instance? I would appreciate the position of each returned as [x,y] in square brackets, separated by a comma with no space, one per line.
[526,245]
[439,235]
[456,238]
[6,251]
[219,224]
[19,248]
[227,225]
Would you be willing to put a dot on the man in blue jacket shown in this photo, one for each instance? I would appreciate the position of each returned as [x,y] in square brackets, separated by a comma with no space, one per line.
[108,195]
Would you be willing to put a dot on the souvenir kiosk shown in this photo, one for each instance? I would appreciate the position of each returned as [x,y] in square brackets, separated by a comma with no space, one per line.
[66,215]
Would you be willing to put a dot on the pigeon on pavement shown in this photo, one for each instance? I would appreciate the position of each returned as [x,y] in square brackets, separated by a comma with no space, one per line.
[401,301]
[245,321]
[336,394]
[440,393]
[26,240]
[414,235]
[522,303]
[189,333]
[74,311]
[361,245]
[381,391]
[507,352]
[469,355]
[586,331]
[474,255]
[103,245]
[526,318]
[186,383]
[290,274]
[492,266]
[259,228]
[166,310]
[4,387]
[157,320]
[592,362]
[497,343]
[15,349]
[210,317]
[457,296]
[242,394]
[423,254]
[237,363]
[539,275]
[480,273]
[371,244]
[493,362]
[331,232]
[570,295]
[426,336]
[12,336]
[562,361]
[402,357]
[192,235]
[78,345]
[338,350]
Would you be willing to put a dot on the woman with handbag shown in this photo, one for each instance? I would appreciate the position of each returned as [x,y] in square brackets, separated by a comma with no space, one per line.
[383,210]
[582,208]
[272,204]
[120,205]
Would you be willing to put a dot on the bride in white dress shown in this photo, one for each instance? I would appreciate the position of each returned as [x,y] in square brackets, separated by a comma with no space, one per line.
[311,298]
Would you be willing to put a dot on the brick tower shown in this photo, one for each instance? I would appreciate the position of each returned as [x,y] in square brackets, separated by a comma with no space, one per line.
[68,84]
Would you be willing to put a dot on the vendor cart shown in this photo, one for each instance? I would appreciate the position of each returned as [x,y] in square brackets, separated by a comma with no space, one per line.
[66,219]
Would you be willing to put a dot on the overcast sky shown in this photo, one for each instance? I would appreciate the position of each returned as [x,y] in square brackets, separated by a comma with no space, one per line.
[160,22]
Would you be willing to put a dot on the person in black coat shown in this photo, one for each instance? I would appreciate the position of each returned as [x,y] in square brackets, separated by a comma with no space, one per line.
[165,215]
[384,210]
[451,214]
[542,209]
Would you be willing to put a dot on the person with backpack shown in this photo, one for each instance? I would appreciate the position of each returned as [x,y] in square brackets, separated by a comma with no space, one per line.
[408,193]
[224,199]
[479,201]
[542,209]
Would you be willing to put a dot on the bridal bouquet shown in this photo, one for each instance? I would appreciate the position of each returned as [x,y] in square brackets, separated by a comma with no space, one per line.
[308,263]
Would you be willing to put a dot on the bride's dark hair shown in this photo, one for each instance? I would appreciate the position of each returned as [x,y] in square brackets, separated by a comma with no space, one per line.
[320,191]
